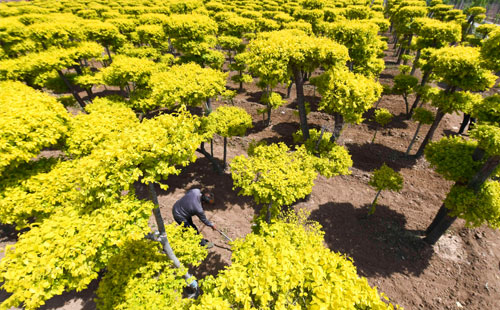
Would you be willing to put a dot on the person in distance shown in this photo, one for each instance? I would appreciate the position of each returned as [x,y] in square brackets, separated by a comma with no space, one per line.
[192,204]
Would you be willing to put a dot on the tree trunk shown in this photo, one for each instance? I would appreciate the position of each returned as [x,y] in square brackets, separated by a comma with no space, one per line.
[212,147]
[289,89]
[401,52]
[443,221]
[374,204]
[299,83]
[208,106]
[398,50]
[339,125]
[439,225]
[484,173]
[225,152]
[415,61]
[405,97]
[413,140]
[89,92]
[109,54]
[375,134]
[72,89]
[430,133]
[128,90]
[268,93]
[78,70]
[167,249]
[407,51]
[241,82]
[268,214]
[425,77]
[320,137]
[215,164]
[378,101]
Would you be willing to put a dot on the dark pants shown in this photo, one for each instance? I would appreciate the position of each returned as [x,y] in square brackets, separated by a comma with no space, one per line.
[467,119]
[189,223]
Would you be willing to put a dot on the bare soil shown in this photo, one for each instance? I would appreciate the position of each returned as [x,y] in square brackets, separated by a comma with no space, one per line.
[462,271]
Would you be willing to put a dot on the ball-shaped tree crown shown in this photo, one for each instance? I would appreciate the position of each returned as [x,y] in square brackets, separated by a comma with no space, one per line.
[460,66]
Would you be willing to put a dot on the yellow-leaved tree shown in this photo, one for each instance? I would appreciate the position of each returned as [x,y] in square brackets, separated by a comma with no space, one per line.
[277,56]
[286,266]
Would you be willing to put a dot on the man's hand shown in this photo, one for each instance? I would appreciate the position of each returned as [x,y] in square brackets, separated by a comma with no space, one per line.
[213,227]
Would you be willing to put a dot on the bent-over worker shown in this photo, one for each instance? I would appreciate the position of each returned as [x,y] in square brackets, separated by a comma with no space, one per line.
[191,204]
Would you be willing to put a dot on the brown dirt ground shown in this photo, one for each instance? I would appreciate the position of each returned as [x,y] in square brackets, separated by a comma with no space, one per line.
[461,271]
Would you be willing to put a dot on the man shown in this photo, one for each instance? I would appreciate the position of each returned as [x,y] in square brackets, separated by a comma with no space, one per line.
[191,204]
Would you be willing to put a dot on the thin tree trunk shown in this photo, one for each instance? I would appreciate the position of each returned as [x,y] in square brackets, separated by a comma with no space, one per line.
[241,82]
[395,41]
[339,125]
[300,103]
[413,139]
[225,152]
[425,77]
[72,89]
[430,133]
[350,65]
[320,137]
[378,101]
[415,61]
[374,204]
[405,97]
[208,107]
[289,89]
[375,134]
[109,54]
[167,249]
[90,94]
[407,51]
[78,70]
[212,147]
[268,215]
[268,122]
[128,89]
[398,51]
[215,164]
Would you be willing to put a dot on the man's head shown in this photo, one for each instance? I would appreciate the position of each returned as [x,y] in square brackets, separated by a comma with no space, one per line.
[207,197]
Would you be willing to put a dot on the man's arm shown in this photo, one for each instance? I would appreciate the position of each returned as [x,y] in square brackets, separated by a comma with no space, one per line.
[201,215]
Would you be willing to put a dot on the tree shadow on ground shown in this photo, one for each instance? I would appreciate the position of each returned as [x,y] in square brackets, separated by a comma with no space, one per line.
[453,133]
[86,296]
[200,175]
[254,96]
[397,122]
[9,233]
[379,244]
[387,75]
[312,100]
[369,156]
[61,301]
[211,265]
[258,126]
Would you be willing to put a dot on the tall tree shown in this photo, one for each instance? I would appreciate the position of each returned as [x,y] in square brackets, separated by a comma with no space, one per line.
[278,56]
[460,68]
[346,95]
